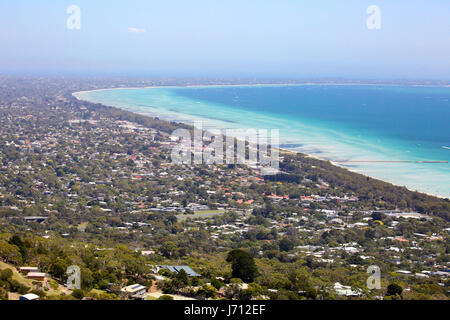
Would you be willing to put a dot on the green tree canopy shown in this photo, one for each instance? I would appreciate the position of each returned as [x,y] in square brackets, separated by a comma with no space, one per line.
[243,265]
[394,289]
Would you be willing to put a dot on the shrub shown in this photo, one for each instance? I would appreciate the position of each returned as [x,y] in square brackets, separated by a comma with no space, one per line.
[6,274]
[78,294]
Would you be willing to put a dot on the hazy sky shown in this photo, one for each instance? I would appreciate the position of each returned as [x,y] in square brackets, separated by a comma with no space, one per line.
[260,38]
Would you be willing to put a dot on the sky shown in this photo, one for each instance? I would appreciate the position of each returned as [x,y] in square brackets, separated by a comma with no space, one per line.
[228,38]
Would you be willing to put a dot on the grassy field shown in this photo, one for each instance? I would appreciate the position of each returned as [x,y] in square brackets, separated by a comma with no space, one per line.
[16,275]
[213,212]
[200,214]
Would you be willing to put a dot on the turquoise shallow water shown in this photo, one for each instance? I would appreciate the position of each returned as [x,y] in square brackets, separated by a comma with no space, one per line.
[334,122]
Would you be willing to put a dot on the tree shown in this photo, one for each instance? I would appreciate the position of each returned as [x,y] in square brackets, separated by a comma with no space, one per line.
[168,249]
[181,279]
[370,233]
[286,245]
[254,290]
[355,259]
[58,268]
[169,287]
[207,291]
[10,253]
[78,294]
[17,241]
[394,289]
[6,274]
[216,283]
[243,265]
[378,216]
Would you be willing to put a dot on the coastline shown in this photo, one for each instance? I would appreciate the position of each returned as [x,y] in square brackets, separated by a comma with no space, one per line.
[334,163]
[262,85]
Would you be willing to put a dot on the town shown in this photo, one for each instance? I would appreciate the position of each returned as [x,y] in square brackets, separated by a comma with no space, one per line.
[94,186]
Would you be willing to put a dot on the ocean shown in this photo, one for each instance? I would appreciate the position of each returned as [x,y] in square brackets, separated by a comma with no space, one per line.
[340,123]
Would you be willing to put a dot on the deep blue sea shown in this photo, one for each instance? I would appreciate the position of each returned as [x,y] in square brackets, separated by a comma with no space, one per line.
[333,122]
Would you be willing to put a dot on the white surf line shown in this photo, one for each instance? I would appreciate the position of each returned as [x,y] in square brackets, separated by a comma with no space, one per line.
[396,161]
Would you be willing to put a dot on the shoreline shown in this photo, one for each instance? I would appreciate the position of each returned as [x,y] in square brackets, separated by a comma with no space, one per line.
[336,164]
[262,85]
